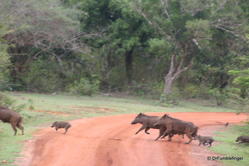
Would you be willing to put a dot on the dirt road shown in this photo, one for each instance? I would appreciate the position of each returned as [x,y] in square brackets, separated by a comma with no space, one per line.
[110,141]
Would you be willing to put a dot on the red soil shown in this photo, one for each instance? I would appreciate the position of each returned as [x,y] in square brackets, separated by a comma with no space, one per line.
[110,141]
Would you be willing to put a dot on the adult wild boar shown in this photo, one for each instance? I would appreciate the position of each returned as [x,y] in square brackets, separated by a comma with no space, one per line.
[12,117]
[61,124]
[243,139]
[147,123]
[177,126]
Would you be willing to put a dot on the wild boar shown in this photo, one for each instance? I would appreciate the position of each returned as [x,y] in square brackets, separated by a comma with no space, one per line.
[147,123]
[177,126]
[61,124]
[243,139]
[12,117]
[204,140]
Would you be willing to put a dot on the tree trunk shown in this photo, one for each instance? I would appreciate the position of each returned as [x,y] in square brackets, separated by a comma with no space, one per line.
[174,72]
[168,84]
[129,66]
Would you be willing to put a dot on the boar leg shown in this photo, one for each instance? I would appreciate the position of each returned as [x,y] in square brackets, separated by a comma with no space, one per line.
[161,131]
[168,132]
[65,130]
[13,125]
[142,128]
[146,130]
[170,136]
[19,125]
[165,135]
[190,138]
[210,144]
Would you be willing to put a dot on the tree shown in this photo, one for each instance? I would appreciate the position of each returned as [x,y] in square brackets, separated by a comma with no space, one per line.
[39,29]
[188,26]
[4,58]
[123,33]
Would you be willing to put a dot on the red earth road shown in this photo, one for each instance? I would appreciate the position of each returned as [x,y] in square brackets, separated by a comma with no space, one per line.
[110,141]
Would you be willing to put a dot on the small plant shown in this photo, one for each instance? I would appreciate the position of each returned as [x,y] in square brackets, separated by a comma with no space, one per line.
[5,101]
[84,87]
[169,100]
[220,96]
[31,104]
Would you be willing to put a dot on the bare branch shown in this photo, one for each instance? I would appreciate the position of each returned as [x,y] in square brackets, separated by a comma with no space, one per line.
[230,32]
[196,43]
[164,3]
[183,69]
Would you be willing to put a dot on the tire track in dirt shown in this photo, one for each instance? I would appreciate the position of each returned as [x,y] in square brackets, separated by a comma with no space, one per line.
[110,141]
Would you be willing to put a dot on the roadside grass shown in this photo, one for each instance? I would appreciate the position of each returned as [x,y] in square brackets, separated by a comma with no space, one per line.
[228,146]
[41,110]
[67,104]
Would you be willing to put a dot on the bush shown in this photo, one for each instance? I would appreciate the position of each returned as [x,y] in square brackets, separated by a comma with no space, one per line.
[191,91]
[220,96]
[42,77]
[169,100]
[84,87]
[5,101]
[195,91]
[153,90]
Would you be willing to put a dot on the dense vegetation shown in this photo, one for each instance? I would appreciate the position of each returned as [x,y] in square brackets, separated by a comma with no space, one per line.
[161,48]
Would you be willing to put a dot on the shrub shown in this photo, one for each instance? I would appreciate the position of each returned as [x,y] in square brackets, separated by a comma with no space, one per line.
[10,103]
[220,96]
[169,100]
[42,77]
[151,89]
[84,86]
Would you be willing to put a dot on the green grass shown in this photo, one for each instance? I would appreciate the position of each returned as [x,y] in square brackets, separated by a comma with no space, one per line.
[229,147]
[75,107]
[10,146]
[62,103]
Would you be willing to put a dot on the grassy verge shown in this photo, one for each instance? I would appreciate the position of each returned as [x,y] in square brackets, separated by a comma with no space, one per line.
[228,146]
[42,110]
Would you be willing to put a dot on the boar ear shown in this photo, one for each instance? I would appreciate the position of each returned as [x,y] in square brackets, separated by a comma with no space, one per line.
[164,116]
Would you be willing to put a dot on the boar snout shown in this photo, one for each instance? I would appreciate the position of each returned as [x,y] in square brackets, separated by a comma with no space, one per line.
[133,122]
